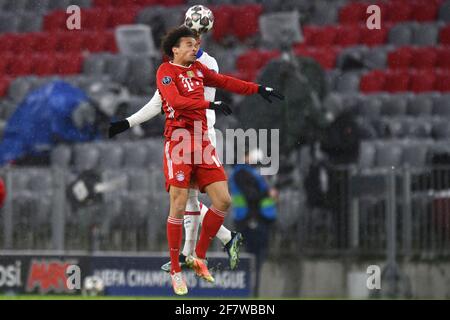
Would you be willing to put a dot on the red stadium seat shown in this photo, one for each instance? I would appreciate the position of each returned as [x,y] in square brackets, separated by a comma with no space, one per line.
[68,63]
[397,12]
[25,43]
[354,12]
[222,21]
[443,58]
[266,56]
[245,21]
[375,37]
[424,11]
[172,2]
[44,64]
[422,80]
[397,81]
[94,41]
[443,82]
[444,35]
[400,58]
[45,42]
[56,20]
[20,65]
[102,3]
[424,58]
[347,35]
[8,41]
[110,42]
[122,16]
[95,19]
[4,86]
[69,41]
[5,60]
[319,36]
[249,61]
[372,81]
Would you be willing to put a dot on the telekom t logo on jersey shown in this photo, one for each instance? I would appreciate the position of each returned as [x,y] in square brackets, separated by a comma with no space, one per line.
[187,83]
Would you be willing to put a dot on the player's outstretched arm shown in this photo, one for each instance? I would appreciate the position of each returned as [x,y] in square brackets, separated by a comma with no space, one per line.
[147,112]
[238,86]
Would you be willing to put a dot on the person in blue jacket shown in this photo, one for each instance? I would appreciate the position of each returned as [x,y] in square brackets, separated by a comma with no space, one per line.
[254,208]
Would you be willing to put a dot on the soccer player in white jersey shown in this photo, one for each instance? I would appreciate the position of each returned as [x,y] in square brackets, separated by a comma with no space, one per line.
[195,211]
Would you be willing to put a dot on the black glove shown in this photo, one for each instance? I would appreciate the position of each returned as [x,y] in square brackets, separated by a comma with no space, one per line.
[266,92]
[220,106]
[118,127]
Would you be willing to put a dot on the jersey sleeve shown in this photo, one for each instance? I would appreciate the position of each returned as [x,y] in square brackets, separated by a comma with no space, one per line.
[213,79]
[147,112]
[165,79]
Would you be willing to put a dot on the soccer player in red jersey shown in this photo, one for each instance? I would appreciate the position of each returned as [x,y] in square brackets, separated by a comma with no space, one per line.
[191,157]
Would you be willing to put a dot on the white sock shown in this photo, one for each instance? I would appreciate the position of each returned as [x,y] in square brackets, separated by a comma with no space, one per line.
[191,223]
[223,234]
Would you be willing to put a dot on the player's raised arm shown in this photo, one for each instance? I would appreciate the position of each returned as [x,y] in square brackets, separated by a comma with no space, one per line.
[235,85]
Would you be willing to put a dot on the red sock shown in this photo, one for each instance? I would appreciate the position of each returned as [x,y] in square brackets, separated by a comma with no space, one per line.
[211,224]
[174,235]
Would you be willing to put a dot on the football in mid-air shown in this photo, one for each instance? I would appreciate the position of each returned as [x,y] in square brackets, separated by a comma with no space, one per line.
[199,19]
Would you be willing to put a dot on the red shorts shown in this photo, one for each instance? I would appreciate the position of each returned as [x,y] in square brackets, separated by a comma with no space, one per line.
[182,169]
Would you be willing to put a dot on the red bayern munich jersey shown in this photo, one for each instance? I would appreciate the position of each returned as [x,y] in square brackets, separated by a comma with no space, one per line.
[182,93]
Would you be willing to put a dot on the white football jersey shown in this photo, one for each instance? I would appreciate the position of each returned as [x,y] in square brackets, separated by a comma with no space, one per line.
[210,93]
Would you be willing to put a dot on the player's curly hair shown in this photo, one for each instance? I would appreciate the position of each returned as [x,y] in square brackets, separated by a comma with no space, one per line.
[172,39]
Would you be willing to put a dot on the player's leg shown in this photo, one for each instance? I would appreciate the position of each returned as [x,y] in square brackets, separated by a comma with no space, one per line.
[191,226]
[191,222]
[178,199]
[231,240]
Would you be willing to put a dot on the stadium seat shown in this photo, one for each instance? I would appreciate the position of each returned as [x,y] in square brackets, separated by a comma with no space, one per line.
[134,157]
[45,42]
[141,75]
[8,41]
[4,85]
[117,66]
[122,16]
[94,64]
[372,81]
[86,156]
[388,155]
[69,41]
[30,22]
[103,3]
[444,35]
[414,155]
[348,82]
[400,34]
[421,105]
[9,22]
[397,81]
[319,36]
[94,41]
[424,11]
[443,58]
[376,58]
[442,82]
[44,64]
[111,156]
[425,34]
[397,11]
[223,16]
[55,20]
[18,88]
[37,6]
[82,3]
[60,4]
[15,5]
[422,81]
[441,106]
[394,105]
[441,129]
[60,156]
[374,37]
[353,12]
[444,11]
[370,106]
[68,63]
[20,65]
[95,18]
[245,20]
[424,58]
[347,35]
[325,13]
[400,58]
